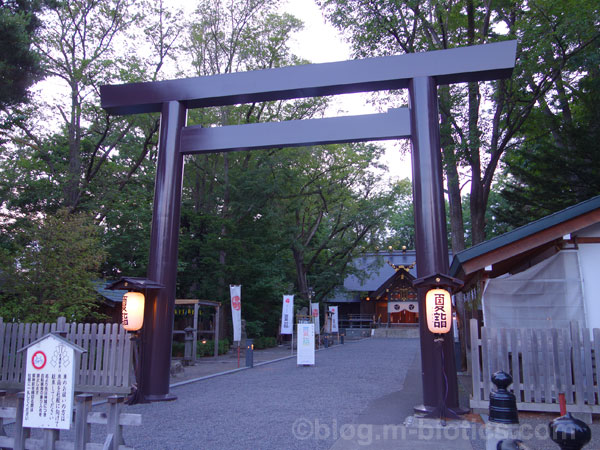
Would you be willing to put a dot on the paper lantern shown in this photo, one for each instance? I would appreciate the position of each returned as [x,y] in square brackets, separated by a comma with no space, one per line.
[133,311]
[438,306]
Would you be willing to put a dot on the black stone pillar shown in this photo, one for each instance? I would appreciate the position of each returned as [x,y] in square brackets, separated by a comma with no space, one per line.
[162,265]
[431,239]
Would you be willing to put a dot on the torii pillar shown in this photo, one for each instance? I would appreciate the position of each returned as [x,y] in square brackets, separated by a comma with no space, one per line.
[421,73]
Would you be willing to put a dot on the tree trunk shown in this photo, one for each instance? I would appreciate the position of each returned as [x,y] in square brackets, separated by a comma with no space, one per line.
[457,229]
[301,273]
[74,171]
[225,211]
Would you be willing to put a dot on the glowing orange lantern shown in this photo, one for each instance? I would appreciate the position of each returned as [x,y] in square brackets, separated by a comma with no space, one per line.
[133,311]
[438,306]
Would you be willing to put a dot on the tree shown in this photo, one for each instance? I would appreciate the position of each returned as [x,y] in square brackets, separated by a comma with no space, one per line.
[65,150]
[19,62]
[247,36]
[479,122]
[51,273]
[402,220]
[277,220]
[83,158]
[558,161]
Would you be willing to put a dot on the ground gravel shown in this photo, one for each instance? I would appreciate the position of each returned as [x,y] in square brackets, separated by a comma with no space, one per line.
[274,406]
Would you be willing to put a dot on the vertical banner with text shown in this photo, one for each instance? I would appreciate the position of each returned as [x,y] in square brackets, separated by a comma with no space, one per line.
[236,311]
[287,315]
[334,319]
[314,312]
[306,344]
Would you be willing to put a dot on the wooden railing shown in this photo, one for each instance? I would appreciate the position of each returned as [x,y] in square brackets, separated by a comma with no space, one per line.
[357,321]
[114,420]
[104,368]
[542,362]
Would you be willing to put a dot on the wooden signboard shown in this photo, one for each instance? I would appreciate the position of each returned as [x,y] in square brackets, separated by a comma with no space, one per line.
[50,382]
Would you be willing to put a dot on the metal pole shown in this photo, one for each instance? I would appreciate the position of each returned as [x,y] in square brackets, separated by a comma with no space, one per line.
[162,265]
[431,239]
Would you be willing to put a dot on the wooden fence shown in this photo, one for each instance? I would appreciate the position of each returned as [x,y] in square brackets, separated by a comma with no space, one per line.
[104,368]
[542,362]
[114,420]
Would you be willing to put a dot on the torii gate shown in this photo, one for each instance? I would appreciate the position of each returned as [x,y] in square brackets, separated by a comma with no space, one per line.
[420,73]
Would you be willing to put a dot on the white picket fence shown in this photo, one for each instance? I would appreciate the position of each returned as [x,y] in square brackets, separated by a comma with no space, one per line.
[104,368]
[542,362]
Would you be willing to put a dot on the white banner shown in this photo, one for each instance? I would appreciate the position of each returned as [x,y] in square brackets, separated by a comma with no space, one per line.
[403,306]
[236,311]
[306,344]
[287,315]
[334,319]
[314,312]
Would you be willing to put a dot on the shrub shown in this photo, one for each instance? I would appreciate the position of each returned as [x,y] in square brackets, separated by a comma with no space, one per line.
[255,328]
[264,342]
[208,348]
[178,349]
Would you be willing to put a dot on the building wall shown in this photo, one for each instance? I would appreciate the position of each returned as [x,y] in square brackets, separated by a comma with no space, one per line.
[589,260]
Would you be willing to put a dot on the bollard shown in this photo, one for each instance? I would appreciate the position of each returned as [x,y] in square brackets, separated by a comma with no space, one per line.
[570,433]
[503,404]
[503,415]
[512,444]
[249,352]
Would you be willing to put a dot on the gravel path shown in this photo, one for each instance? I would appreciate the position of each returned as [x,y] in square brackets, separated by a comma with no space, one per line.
[258,408]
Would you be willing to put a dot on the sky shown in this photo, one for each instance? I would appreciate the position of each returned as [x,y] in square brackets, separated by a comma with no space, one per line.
[320,42]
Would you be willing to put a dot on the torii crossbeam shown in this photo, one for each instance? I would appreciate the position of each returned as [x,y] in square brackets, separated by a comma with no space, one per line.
[420,73]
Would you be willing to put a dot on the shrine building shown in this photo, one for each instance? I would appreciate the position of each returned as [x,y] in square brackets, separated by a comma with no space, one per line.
[378,291]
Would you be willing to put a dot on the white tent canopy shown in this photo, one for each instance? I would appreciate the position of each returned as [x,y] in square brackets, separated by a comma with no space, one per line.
[547,295]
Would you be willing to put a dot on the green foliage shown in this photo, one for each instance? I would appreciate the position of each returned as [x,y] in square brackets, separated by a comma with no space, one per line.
[481,122]
[402,219]
[20,65]
[50,272]
[203,348]
[178,349]
[275,221]
[558,161]
[207,348]
[255,328]
[263,342]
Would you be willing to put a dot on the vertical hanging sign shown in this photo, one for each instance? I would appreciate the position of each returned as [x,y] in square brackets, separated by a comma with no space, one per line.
[306,344]
[314,312]
[334,319]
[236,311]
[287,315]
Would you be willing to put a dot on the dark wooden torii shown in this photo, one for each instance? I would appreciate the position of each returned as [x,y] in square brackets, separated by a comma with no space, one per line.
[420,73]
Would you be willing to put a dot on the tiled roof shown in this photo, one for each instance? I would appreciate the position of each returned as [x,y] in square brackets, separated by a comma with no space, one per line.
[110,295]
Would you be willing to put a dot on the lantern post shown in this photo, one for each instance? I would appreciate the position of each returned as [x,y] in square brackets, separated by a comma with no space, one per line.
[438,310]
[132,320]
